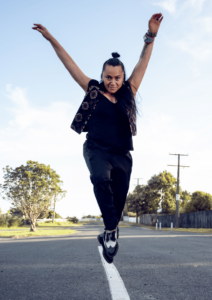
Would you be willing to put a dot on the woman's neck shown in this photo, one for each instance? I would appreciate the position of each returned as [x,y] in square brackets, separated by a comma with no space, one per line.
[110,97]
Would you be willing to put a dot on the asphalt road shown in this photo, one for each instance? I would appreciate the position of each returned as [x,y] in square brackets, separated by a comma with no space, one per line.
[152,264]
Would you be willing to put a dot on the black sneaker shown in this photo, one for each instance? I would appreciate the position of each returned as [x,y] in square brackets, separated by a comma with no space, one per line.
[104,253]
[100,236]
[110,243]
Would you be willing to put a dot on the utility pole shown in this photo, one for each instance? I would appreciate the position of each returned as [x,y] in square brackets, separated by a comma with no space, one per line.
[178,187]
[137,203]
[53,208]
[138,180]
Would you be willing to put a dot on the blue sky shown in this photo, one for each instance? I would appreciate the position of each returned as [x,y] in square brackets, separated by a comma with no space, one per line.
[39,98]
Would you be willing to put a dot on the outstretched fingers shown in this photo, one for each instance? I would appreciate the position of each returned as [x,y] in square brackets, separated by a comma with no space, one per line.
[157,17]
[161,19]
[38,26]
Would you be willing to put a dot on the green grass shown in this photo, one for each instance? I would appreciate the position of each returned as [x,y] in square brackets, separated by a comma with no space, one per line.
[58,224]
[43,229]
[195,230]
[46,225]
[38,232]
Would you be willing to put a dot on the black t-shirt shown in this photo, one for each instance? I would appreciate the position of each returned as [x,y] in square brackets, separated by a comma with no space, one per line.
[108,127]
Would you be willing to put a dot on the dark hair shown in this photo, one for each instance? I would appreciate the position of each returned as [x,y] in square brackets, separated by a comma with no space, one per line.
[125,93]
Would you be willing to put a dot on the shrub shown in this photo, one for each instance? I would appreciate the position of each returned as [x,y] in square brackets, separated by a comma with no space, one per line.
[74,219]
[131,214]
[15,222]
[200,201]
[3,222]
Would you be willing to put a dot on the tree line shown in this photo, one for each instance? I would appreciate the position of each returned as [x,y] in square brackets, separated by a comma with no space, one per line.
[159,194]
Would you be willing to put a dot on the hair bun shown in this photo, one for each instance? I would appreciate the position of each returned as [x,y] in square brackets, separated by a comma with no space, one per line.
[115,55]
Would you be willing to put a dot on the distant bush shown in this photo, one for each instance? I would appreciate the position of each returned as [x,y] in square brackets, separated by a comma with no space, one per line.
[89,217]
[200,201]
[131,214]
[11,222]
[73,219]
[48,222]
[49,215]
[3,222]
[15,222]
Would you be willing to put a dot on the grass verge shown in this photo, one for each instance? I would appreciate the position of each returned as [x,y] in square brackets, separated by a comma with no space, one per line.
[194,230]
[44,225]
[58,224]
[23,233]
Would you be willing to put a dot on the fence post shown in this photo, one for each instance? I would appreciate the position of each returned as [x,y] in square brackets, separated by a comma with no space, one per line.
[171,226]
[160,226]
[156,226]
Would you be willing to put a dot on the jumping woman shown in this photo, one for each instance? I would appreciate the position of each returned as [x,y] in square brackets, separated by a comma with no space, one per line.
[108,115]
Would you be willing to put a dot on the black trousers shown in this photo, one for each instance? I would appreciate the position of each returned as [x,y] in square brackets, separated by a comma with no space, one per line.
[110,175]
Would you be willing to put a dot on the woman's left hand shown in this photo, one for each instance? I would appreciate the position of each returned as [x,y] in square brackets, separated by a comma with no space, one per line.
[154,22]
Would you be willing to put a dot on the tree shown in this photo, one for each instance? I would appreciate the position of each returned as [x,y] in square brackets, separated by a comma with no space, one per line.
[16,212]
[165,184]
[150,199]
[200,201]
[51,213]
[32,189]
[185,197]
[163,181]
[72,219]
[133,201]
[0,211]
[89,217]
[143,200]
[168,204]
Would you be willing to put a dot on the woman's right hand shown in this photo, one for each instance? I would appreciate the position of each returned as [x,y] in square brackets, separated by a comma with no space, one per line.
[43,31]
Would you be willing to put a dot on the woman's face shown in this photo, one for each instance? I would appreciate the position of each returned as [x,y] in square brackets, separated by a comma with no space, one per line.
[113,78]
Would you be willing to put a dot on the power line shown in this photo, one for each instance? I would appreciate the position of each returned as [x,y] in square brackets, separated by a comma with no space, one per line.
[178,186]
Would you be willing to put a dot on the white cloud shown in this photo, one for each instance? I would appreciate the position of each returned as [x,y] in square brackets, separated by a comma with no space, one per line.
[192,34]
[36,131]
[193,7]
[201,52]
[204,23]
[18,95]
[169,5]
[196,5]
[160,132]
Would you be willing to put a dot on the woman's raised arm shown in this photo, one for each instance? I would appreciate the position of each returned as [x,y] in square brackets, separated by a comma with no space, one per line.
[68,62]
[140,69]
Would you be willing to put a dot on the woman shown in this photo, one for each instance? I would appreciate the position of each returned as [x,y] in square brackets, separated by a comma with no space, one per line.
[108,114]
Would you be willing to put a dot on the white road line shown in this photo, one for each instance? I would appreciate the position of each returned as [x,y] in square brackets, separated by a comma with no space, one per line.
[116,284]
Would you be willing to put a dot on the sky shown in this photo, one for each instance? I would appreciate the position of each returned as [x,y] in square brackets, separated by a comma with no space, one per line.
[39,98]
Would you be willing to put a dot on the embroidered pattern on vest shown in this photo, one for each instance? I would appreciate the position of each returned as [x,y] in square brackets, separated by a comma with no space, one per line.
[85,110]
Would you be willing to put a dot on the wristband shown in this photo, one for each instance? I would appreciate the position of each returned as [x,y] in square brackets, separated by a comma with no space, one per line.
[151,34]
[148,39]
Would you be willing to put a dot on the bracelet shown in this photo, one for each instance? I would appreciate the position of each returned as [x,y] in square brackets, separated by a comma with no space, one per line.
[151,34]
[148,39]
